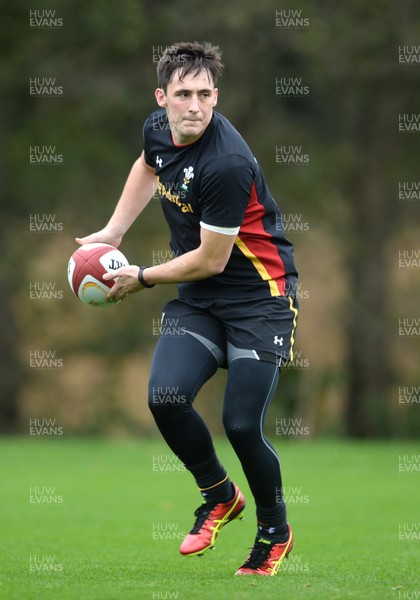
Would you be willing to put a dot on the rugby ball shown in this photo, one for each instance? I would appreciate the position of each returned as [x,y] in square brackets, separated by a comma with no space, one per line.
[86,267]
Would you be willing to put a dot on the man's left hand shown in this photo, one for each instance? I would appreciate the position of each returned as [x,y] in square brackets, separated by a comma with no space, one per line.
[126,282]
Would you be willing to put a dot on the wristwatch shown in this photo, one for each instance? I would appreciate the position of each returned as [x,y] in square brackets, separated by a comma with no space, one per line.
[141,279]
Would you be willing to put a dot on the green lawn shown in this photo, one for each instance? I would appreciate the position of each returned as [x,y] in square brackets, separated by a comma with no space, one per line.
[111,523]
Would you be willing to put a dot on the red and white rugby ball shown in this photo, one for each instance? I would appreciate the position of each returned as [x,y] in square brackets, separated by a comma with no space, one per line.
[86,267]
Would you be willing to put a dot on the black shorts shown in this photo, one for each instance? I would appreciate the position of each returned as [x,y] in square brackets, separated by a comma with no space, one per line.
[259,328]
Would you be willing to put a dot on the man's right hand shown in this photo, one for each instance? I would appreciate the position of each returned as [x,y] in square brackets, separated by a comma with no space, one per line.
[105,236]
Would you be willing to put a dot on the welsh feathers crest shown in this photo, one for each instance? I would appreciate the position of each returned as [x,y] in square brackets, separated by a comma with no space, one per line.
[188,175]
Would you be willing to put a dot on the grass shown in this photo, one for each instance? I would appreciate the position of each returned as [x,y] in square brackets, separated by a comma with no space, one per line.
[116,533]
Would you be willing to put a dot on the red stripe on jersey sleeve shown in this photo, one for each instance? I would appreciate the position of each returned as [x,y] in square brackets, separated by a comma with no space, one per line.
[259,241]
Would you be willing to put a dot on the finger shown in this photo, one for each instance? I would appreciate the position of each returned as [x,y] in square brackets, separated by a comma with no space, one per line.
[115,294]
[111,275]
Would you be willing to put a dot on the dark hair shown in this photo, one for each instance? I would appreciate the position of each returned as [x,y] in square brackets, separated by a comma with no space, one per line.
[189,57]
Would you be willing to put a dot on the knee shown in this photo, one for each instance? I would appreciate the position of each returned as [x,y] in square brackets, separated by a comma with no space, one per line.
[239,429]
[161,397]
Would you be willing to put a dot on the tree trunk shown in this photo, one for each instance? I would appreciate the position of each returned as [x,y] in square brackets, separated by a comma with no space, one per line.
[369,368]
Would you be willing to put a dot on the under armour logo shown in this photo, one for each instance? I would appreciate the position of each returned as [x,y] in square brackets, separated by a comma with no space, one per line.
[269,529]
[278,341]
[159,161]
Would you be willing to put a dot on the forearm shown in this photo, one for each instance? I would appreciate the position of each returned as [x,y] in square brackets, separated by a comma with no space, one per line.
[188,267]
[137,193]
[192,266]
[209,259]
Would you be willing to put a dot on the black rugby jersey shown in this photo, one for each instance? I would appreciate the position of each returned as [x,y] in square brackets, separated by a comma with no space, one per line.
[216,182]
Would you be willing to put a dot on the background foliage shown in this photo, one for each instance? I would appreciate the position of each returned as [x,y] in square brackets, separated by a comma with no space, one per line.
[352,362]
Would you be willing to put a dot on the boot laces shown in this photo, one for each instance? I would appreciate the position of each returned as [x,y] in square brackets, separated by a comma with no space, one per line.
[202,513]
[259,554]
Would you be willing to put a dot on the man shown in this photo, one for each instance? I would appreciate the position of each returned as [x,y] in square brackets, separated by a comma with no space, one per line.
[236,307]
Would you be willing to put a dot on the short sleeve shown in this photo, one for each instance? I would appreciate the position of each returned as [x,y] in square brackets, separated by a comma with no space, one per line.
[147,130]
[225,189]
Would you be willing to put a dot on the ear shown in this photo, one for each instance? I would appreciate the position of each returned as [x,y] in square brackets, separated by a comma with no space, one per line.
[160,97]
[216,95]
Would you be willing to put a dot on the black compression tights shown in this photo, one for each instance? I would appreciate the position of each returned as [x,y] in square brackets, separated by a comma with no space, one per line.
[181,365]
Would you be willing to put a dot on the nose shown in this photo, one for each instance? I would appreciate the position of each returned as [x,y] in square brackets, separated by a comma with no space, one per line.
[193,107]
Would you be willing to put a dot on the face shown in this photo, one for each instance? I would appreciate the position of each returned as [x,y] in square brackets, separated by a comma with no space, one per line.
[189,105]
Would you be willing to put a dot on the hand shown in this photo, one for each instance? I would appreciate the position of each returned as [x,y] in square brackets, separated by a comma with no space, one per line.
[104,236]
[126,282]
